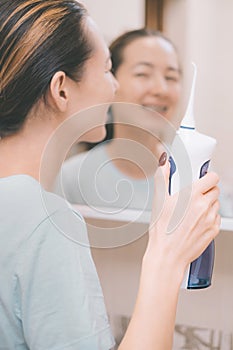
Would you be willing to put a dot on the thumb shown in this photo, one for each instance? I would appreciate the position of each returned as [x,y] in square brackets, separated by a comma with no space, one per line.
[161,185]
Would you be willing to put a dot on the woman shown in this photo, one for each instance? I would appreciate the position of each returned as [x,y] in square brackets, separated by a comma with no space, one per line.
[146,66]
[52,58]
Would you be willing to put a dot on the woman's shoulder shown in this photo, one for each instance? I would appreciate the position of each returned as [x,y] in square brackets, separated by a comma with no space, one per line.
[31,204]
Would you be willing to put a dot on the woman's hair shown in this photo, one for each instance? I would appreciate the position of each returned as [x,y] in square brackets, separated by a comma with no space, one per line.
[118,46]
[37,39]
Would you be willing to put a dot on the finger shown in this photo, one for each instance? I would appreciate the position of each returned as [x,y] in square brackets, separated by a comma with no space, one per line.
[213,212]
[207,182]
[211,218]
[214,230]
[161,178]
[216,206]
[212,195]
[218,220]
[164,165]
[217,225]
[161,184]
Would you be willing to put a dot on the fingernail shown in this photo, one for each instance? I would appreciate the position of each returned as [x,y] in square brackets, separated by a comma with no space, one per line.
[163,159]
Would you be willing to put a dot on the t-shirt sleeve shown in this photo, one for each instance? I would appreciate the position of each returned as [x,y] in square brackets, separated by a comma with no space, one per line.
[59,298]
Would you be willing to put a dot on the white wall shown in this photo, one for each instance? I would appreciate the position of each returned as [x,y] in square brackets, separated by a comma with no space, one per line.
[115,17]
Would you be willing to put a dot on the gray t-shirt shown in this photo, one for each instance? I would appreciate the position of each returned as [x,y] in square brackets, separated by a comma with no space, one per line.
[50,296]
[90,178]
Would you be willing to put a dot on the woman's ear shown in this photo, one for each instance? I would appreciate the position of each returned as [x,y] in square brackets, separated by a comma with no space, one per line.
[59,91]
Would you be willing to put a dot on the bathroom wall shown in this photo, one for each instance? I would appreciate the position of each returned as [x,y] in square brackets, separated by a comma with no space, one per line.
[115,17]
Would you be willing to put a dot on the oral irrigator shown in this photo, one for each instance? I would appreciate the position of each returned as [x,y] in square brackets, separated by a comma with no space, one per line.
[199,149]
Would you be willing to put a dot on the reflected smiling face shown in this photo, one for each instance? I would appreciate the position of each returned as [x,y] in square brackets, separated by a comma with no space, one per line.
[150,76]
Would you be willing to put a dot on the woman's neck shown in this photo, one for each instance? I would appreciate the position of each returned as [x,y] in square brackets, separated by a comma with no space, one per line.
[23,152]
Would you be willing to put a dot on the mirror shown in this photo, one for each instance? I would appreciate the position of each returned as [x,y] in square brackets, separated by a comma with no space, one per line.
[202,33]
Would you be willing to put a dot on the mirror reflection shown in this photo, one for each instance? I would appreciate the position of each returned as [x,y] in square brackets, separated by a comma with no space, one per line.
[166,87]
[146,66]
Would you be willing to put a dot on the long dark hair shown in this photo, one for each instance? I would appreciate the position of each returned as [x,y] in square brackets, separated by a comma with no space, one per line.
[37,39]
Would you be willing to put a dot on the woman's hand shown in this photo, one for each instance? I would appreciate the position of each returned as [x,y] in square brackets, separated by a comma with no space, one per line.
[184,224]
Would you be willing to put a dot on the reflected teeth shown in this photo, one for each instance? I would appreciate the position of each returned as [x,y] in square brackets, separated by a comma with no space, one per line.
[159,109]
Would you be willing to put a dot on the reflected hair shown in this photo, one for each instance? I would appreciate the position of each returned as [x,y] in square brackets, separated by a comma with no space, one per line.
[37,39]
[118,46]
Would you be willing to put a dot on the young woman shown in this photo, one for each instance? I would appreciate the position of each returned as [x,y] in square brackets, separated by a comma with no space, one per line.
[52,58]
[146,65]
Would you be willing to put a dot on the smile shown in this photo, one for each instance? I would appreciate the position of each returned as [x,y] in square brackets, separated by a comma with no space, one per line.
[157,108]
